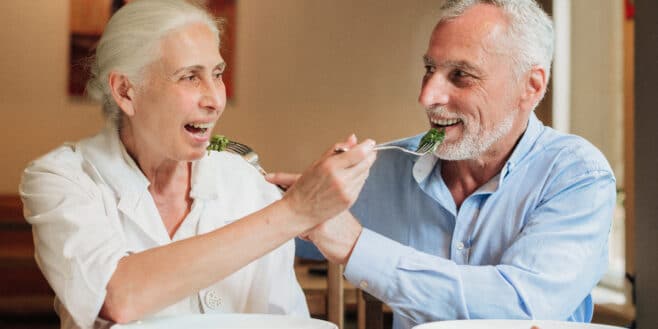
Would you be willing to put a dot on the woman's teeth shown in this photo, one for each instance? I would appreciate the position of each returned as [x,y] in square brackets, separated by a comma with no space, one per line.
[198,127]
[445,122]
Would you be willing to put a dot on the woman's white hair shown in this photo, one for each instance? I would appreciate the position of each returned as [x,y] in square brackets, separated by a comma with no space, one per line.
[130,42]
[530,30]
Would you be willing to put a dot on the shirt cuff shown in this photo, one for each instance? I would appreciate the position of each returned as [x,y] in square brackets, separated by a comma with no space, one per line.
[370,269]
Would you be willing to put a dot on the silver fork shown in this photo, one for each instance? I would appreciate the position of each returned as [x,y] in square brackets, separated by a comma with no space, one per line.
[249,155]
[422,149]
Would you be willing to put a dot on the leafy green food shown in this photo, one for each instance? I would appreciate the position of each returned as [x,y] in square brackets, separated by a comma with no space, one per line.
[432,139]
[217,143]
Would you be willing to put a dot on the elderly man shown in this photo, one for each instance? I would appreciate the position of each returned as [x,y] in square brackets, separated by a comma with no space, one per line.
[508,218]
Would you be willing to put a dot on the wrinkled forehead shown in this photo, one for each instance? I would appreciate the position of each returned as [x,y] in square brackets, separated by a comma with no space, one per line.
[482,27]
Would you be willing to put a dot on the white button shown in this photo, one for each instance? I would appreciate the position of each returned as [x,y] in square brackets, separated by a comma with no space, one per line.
[460,245]
[363,284]
[212,299]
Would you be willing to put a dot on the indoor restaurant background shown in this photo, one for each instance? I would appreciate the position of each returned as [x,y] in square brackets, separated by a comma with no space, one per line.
[307,73]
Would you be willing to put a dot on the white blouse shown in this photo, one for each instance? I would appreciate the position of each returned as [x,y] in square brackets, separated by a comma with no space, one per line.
[89,206]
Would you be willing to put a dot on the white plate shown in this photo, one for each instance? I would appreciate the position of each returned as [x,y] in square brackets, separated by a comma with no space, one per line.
[510,324]
[229,321]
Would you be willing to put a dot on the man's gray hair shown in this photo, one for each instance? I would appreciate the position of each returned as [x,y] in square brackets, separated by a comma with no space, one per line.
[130,42]
[530,30]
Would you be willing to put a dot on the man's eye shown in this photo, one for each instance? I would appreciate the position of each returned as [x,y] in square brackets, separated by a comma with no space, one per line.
[189,77]
[218,75]
[459,74]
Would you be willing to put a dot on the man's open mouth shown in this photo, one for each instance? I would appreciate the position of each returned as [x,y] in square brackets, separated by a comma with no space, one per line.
[442,123]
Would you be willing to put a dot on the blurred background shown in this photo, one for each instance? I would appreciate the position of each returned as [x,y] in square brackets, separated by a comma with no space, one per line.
[307,73]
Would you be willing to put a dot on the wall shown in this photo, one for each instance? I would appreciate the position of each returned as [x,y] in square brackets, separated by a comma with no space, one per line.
[597,77]
[308,74]
[36,113]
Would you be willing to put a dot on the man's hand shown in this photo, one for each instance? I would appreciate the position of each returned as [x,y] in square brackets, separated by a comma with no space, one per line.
[336,237]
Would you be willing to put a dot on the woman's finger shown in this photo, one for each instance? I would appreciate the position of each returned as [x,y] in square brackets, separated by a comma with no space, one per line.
[284,179]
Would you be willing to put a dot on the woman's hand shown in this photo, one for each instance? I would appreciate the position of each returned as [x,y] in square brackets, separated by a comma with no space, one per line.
[330,185]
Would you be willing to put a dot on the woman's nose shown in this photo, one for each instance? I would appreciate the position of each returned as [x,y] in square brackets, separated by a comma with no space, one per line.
[213,97]
[434,91]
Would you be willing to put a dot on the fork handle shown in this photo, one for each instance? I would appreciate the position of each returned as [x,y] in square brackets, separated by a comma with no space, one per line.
[382,147]
[262,171]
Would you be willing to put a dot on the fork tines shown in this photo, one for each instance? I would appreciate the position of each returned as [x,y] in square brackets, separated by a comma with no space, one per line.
[238,147]
[424,148]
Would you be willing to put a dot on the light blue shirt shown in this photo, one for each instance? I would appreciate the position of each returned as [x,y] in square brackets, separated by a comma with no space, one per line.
[529,244]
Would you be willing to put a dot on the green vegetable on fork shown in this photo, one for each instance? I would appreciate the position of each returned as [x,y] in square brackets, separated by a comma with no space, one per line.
[432,139]
[217,143]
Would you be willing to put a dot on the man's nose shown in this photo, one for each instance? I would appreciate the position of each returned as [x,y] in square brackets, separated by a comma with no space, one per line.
[434,91]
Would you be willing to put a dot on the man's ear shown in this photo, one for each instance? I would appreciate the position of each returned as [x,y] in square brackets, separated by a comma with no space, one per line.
[534,88]
[123,92]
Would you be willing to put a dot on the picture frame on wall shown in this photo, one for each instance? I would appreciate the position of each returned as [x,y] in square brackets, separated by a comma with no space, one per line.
[89,17]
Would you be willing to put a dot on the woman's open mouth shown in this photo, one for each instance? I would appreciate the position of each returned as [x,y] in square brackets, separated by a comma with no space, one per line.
[200,131]
[199,128]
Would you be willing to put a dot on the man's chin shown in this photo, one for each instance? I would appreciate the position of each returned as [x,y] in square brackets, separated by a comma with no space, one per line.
[454,152]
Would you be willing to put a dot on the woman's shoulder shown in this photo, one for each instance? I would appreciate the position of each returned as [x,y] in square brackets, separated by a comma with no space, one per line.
[61,159]
[71,155]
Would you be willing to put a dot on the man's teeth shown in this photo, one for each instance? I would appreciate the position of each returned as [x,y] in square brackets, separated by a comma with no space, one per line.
[444,122]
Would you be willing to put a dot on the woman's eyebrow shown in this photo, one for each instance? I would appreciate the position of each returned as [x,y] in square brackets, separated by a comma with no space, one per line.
[188,68]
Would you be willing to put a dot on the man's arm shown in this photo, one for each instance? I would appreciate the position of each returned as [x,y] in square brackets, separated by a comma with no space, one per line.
[546,273]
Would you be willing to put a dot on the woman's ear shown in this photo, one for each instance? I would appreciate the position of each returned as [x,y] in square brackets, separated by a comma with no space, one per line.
[534,88]
[123,92]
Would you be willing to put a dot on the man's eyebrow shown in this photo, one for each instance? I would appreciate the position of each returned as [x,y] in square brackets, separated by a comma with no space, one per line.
[428,60]
[463,65]
[460,64]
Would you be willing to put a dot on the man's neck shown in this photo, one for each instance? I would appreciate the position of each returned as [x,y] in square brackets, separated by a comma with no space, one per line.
[464,177]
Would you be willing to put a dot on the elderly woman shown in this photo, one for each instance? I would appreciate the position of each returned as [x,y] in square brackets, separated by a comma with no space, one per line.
[140,220]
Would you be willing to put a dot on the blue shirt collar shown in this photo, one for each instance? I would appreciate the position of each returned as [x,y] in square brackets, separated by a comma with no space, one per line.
[428,162]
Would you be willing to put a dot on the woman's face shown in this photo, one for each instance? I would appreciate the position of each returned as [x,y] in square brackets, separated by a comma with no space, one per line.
[181,97]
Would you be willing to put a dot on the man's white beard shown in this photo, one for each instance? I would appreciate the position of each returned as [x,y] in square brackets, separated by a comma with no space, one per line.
[472,146]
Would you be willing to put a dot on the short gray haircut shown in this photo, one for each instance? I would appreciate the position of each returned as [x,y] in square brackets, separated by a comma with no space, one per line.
[530,30]
[131,39]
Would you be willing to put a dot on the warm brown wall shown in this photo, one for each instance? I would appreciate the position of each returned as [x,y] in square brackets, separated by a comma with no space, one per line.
[36,114]
[308,73]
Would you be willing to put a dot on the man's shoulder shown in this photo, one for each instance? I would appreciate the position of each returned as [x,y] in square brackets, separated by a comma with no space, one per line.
[568,153]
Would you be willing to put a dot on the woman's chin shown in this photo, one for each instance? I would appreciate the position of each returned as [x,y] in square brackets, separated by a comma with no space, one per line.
[195,155]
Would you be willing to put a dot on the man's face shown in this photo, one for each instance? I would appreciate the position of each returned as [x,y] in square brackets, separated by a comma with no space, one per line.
[470,88]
